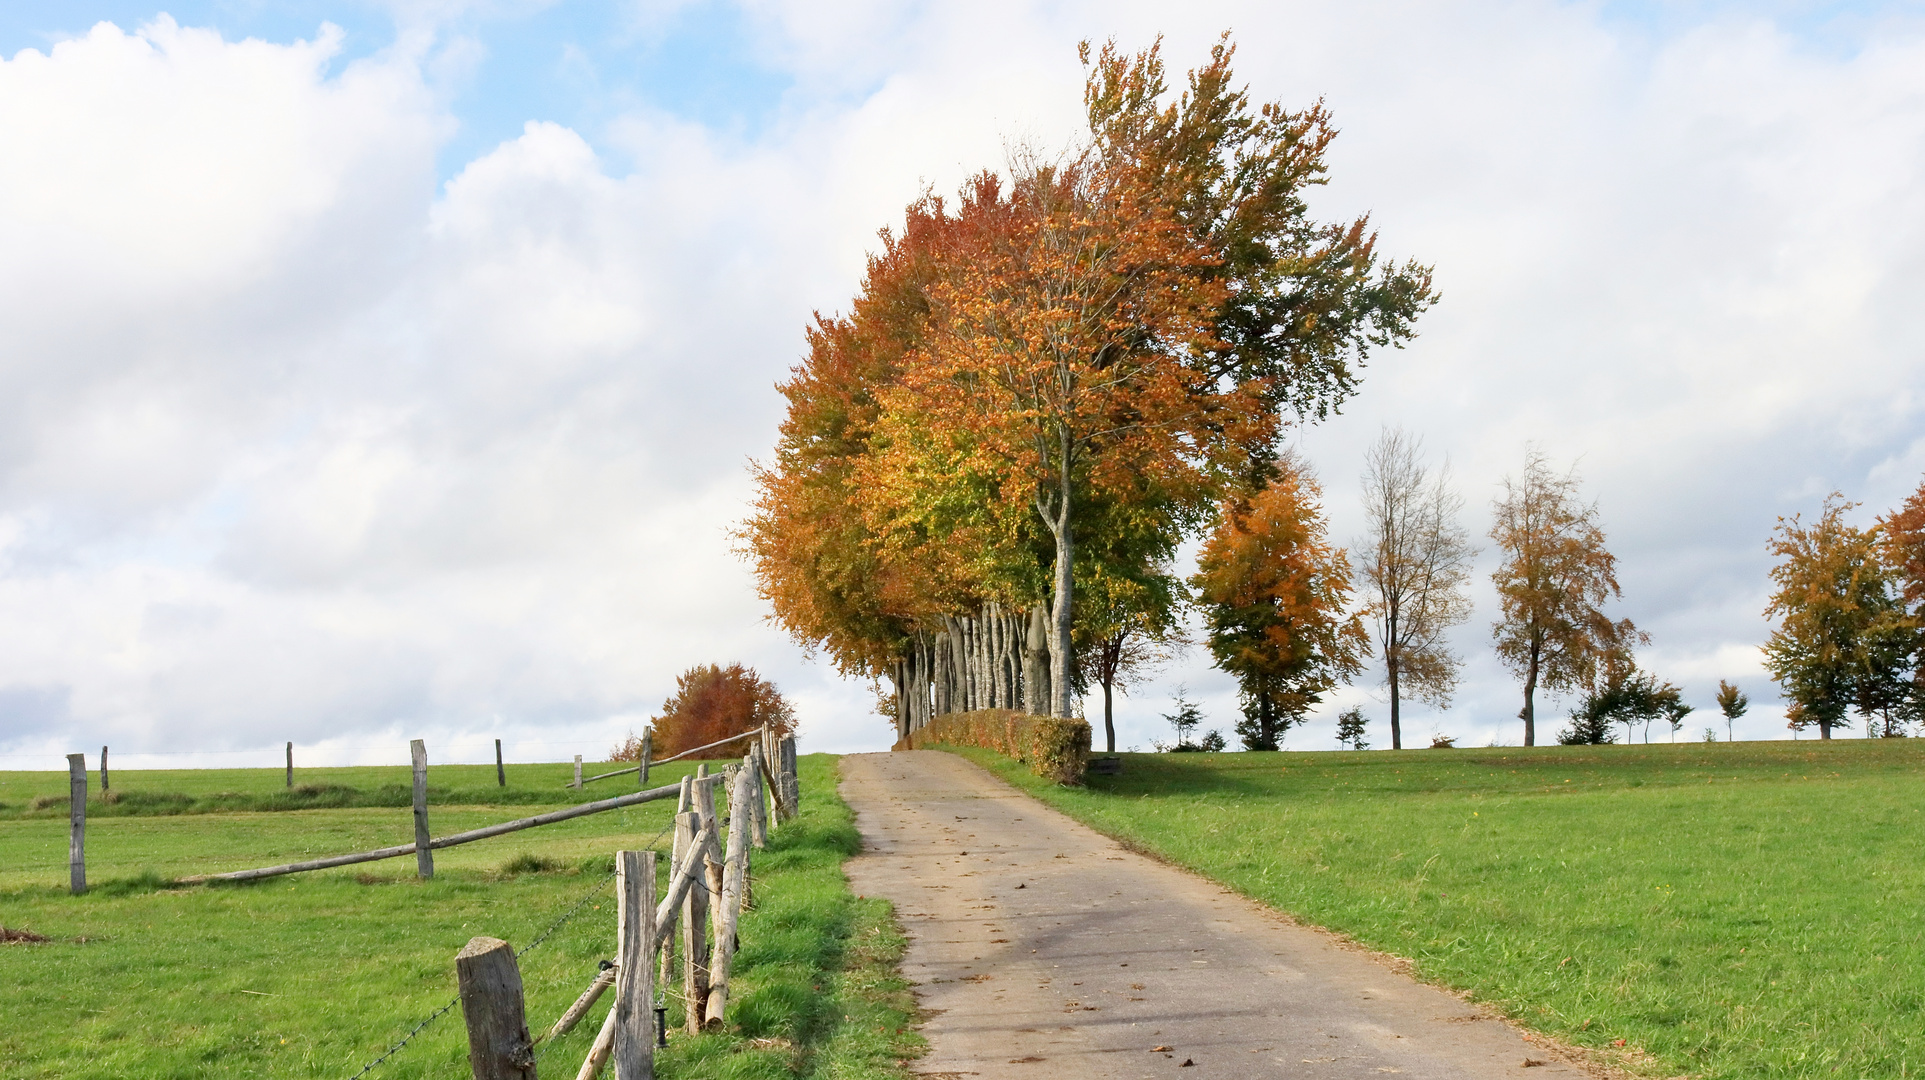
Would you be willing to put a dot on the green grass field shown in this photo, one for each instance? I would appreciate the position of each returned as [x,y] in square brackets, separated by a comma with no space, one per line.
[315,974]
[1735,910]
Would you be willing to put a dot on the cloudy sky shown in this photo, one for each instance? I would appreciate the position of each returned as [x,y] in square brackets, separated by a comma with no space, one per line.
[373,370]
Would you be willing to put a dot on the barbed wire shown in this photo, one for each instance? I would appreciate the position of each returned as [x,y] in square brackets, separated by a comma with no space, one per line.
[565,918]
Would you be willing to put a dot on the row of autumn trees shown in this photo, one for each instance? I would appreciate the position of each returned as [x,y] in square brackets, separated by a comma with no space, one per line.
[1041,389]
[1851,608]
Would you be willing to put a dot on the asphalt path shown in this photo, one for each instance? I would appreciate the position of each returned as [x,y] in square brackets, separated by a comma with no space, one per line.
[1040,948]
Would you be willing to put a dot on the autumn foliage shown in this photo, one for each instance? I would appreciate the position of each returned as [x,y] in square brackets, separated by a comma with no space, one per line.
[1046,384]
[1276,596]
[712,702]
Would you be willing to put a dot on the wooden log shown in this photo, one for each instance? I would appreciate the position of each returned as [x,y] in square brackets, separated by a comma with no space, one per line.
[648,752]
[578,772]
[695,943]
[498,1044]
[469,837]
[423,844]
[597,986]
[733,867]
[501,774]
[598,1053]
[77,821]
[792,768]
[702,794]
[103,769]
[758,802]
[290,765]
[635,986]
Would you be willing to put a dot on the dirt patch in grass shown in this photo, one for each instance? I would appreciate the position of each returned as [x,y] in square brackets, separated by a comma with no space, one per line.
[13,935]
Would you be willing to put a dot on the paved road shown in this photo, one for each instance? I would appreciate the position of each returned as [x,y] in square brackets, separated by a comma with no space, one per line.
[1042,949]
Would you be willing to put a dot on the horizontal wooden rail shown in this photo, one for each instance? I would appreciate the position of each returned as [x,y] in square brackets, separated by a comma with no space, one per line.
[678,757]
[667,792]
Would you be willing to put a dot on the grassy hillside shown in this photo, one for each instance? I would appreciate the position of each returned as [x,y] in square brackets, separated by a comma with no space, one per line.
[314,975]
[1736,910]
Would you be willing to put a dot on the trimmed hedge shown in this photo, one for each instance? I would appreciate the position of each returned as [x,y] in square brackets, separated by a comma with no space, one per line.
[1053,749]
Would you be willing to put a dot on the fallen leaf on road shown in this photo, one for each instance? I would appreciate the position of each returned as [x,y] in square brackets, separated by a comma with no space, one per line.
[1159,1049]
[1532,1063]
[1186,1063]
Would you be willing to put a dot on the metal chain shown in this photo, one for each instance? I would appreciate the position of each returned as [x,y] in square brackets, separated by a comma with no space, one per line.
[545,934]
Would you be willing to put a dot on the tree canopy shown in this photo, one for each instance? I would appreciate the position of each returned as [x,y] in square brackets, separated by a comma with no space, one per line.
[1042,387]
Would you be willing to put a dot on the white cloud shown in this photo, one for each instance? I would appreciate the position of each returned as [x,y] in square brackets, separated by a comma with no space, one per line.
[293,445]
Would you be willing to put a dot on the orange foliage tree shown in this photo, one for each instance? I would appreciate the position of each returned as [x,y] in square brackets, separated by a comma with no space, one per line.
[1275,593]
[712,702]
[1059,377]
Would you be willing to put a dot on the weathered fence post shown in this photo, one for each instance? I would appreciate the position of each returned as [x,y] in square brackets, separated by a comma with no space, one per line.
[734,870]
[103,769]
[759,806]
[290,765]
[648,753]
[501,774]
[423,853]
[498,1044]
[695,941]
[578,771]
[634,987]
[77,817]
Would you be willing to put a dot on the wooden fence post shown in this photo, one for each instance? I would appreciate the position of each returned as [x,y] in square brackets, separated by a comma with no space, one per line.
[423,854]
[695,940]
[77,817]
[290,765]
[634,986]
[758,803]
[498,1044]
[734,868]
[501,774]
[103,770]
[578,771]
[648,752]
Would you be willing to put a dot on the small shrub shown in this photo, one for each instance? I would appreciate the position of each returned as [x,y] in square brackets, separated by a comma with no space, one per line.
[1053,748]
[1443,742]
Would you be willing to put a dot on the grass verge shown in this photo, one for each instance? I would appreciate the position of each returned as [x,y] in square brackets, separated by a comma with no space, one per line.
[314,975]
[1729,910]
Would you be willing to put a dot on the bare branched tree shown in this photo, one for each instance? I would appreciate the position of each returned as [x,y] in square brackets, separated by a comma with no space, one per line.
[1413,567]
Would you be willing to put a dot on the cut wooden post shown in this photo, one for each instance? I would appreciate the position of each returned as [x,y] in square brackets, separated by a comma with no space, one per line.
[603,979]
[498,1044]
[77,817]
[758,801]
[103,769]
[501,774]
[733,866]
[695,943]
[290,765]
[423,844]
[578,770]
[703,795]
[648,752]
[635,986]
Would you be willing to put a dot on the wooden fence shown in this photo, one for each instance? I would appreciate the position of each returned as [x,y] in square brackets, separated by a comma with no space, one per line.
[707,884]
[769,747]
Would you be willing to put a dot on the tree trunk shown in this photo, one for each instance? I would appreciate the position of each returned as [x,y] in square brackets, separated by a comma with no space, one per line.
[1530,707]
[1109,717]
[1396,725]
[1036,662]
[1061,615]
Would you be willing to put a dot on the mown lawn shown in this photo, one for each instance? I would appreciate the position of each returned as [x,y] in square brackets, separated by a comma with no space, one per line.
[314,975]
[1735,910]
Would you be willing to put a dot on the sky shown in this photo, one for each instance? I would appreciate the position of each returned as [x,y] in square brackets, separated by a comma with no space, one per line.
[382,370]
